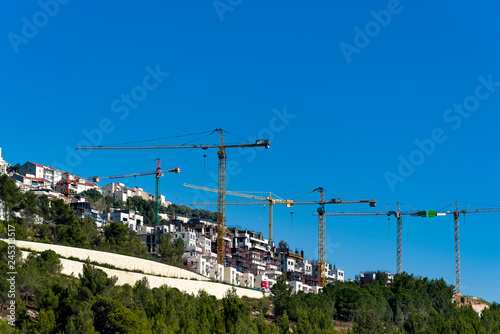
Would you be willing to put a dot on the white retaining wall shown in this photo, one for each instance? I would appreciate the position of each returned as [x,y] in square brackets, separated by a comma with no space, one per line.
[74,268]
[116,260]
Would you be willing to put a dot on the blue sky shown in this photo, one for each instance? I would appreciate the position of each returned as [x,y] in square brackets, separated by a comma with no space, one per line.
[395,101]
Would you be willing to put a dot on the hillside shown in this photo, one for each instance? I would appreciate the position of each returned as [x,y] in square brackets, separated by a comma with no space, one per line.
[134,269]
[49,301]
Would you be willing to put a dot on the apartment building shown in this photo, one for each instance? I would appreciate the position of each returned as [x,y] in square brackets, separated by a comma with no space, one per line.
[332,273]
[81,207]
[188,235]
[120,192]
[29,182]
[75,184]
[41,172]
[3,164]
[131,218]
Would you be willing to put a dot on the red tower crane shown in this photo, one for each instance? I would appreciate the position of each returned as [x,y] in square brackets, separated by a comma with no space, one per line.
[158,172]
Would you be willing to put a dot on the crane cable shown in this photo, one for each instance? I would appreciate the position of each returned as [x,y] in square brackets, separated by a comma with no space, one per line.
[178,136]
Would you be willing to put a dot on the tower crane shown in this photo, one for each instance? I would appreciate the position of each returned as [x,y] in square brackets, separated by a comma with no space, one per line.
[322,227]
[158,172]
[266,200]
[456,229]
[67,182]
[399,218]
[221,186]
[290,203]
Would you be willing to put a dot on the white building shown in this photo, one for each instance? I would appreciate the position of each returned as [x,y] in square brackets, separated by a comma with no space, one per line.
[165,228]
[189,238]
[331,274]
[198,264]
[230,275]
[249,240]
[144,229]
[216,271]
[30,181]
[334,274]
[48,192]
[248,280]
[3,164]
[306,268]
[288,264]
[120,192]
[299,286]
[42,172]
[75,184]
[263,282]
[205,244]
[131,218]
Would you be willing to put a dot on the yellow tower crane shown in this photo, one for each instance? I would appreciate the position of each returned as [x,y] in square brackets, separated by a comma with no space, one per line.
[267,200]
[221,186]
[456,228]
[399,218]
[289,203]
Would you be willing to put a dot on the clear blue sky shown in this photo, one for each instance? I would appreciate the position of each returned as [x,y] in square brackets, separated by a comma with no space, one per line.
[343,90]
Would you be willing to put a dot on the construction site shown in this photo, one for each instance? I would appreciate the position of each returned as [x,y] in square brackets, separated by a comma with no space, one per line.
[215,250]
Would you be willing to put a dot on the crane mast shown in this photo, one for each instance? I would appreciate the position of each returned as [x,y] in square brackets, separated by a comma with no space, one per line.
[221,174]
[290,203]
[158,173]
[221,205]
[267,200]
[398,214]
[456,234]
[321,238]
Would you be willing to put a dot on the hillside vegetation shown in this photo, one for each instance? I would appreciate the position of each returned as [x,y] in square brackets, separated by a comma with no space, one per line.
[48,302]
[38,218]
[93,303]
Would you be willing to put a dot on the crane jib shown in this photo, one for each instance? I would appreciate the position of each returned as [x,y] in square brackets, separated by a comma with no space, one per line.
[258,143]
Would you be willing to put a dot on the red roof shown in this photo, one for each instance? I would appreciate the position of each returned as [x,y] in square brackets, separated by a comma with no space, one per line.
[34,163]
[76,181]
[88,184]
[34,178]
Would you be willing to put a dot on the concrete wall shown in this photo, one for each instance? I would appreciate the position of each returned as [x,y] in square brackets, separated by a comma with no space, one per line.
[73,268]
[117,260]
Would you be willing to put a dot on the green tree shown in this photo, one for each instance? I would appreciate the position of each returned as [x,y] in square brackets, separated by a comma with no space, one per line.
[281,295]
[171,251]
[283,247]
[30,207]
[92,195]
[94,281]
[112,317]
[11,196]
[172,214]
[117,235]
[380,278]
[14,168]
[142,293]
[49,262]
[285,324]
[46,322]
[82,322]
[121,239]
[29,280]
[43,206]
[235,311]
